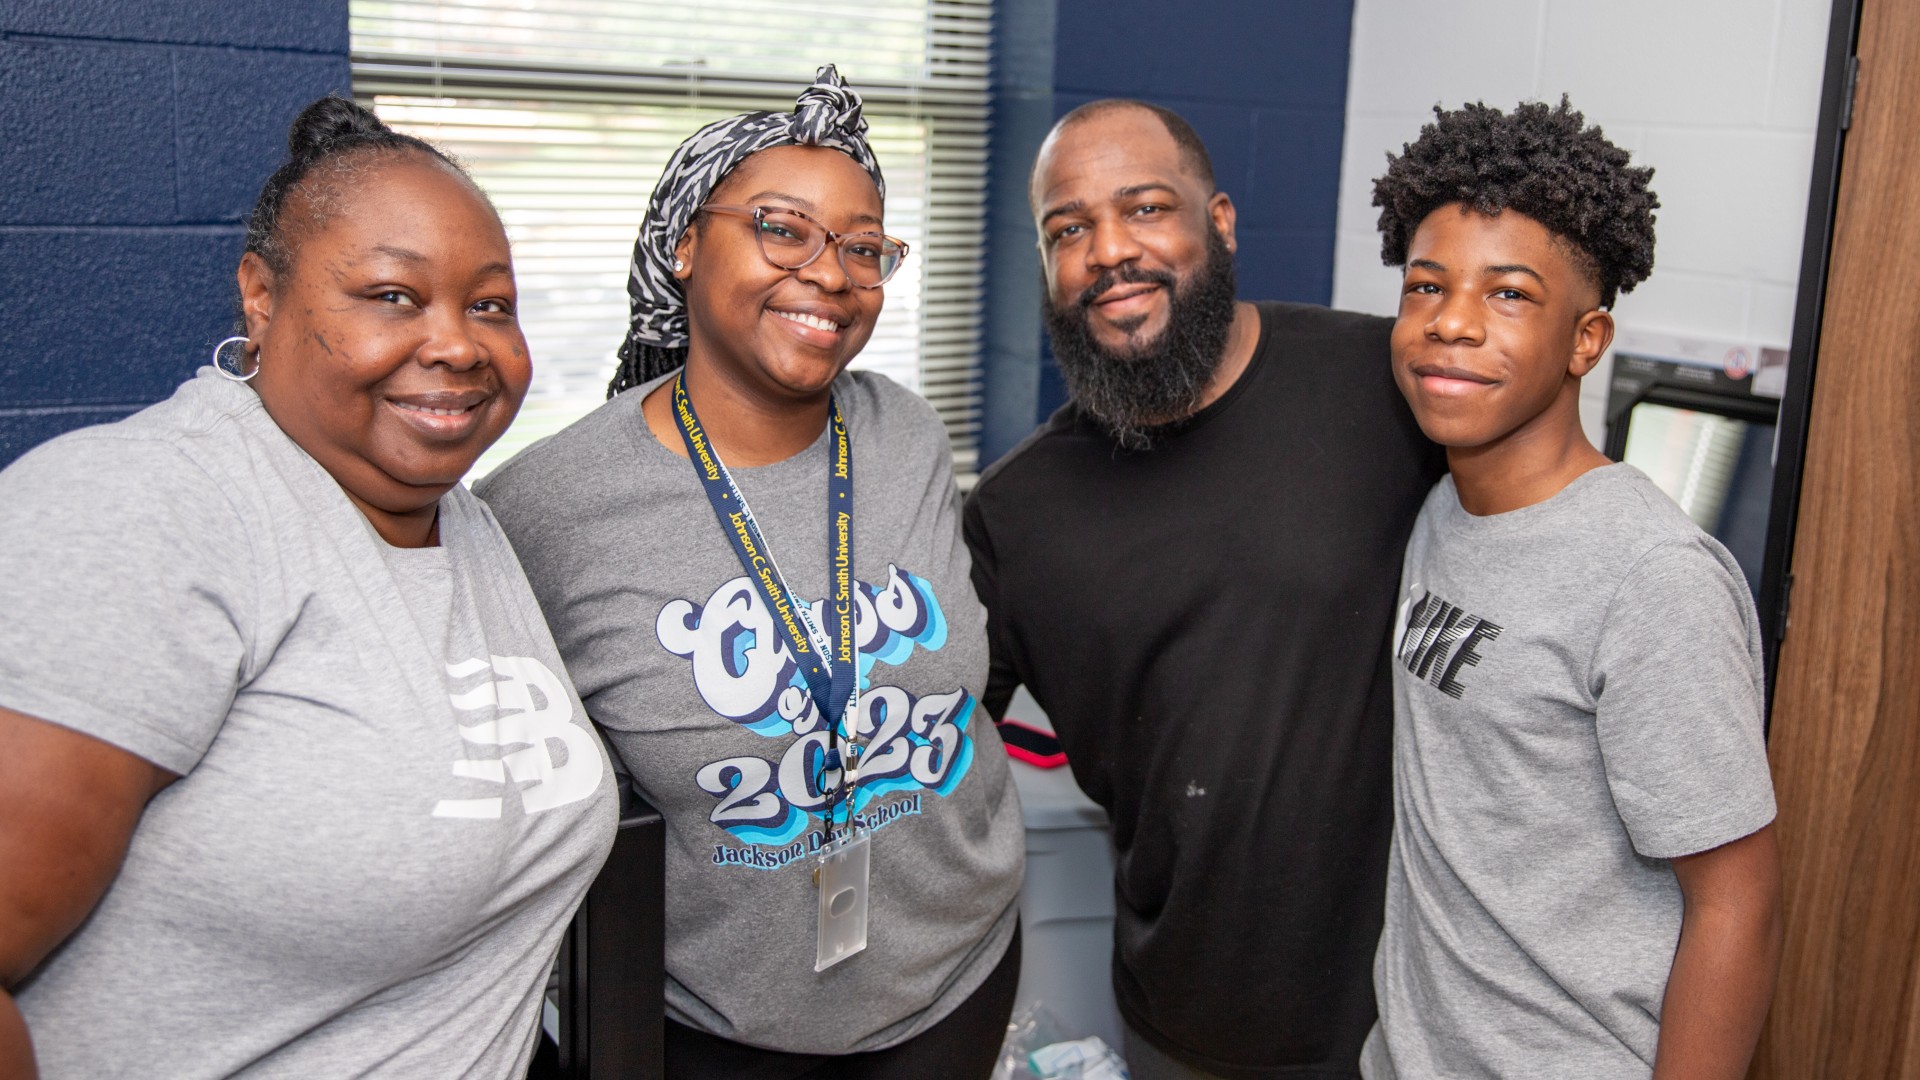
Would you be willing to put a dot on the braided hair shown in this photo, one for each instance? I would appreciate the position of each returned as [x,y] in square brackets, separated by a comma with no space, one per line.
[1541,160]
[642,362]
[330,140]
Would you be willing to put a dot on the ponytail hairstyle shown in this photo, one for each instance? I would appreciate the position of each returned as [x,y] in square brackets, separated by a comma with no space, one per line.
[329,141]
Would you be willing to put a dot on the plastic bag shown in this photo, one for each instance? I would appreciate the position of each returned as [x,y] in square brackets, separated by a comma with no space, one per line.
[1037,1048]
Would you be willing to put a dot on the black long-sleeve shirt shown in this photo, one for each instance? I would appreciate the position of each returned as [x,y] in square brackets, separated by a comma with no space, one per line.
[1206,624]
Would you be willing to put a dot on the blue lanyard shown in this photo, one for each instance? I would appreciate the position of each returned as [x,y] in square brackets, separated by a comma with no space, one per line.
[829,682]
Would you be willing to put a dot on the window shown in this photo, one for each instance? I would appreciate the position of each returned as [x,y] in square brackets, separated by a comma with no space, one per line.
[566,111]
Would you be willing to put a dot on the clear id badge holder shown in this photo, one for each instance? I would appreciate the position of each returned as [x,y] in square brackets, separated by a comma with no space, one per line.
[842,866]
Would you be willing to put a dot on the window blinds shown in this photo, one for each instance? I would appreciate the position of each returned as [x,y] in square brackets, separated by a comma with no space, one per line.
[566,111]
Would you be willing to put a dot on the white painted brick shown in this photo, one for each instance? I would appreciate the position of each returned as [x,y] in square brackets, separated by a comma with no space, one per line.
[1628,137]
[1799,65]
[1658,61]
[1690,88]
[1593,401]
[1731,202]
[1683,303]
[1360,281]
[1369,139]
[1407,56]
[1770,313]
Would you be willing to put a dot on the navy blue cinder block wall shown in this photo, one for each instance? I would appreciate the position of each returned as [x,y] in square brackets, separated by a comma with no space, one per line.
[134,135]
[1265,85]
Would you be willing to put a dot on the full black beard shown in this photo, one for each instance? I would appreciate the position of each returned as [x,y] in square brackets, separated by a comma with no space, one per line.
[1151,383]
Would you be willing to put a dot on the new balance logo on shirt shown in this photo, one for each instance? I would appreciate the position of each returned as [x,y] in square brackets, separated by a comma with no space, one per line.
[1439,639]
[522,704]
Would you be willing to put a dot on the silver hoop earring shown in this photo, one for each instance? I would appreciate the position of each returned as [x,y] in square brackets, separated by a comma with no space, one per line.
[236,371]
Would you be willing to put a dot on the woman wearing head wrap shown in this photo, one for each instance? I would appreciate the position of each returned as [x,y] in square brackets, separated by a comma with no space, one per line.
[751,560]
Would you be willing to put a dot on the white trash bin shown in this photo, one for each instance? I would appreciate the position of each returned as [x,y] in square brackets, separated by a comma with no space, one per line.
[1066,905]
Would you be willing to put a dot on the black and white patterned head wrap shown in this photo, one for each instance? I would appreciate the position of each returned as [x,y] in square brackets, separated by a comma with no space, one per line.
[826,114]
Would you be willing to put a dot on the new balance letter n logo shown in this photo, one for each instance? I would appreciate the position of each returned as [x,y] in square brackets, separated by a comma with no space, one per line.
[524,709]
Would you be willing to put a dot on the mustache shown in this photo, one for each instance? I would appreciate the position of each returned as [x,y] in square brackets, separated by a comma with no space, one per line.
[1129,275]
[1134,390]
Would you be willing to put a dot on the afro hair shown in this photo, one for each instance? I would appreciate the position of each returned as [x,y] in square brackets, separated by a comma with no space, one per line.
[1540,160]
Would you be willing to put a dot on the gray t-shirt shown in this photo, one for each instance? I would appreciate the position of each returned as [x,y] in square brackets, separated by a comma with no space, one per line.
[677,658]
[1577,700]
[376,842]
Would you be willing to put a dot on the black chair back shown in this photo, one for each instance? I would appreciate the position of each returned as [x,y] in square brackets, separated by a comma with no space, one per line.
[612,973]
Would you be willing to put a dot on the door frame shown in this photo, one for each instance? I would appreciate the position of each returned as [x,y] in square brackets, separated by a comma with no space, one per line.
[1796,406]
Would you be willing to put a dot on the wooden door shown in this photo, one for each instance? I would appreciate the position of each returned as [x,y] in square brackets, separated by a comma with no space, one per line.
[1846,720]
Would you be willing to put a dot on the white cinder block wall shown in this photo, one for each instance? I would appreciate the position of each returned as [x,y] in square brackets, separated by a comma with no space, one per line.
[1720,96]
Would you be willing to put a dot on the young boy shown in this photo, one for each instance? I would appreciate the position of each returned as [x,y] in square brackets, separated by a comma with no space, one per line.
[1583,879]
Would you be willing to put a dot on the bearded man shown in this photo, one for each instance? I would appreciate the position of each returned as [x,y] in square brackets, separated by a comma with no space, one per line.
[1193,566]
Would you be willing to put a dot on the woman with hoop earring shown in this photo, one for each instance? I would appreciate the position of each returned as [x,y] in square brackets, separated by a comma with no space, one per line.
[294,781]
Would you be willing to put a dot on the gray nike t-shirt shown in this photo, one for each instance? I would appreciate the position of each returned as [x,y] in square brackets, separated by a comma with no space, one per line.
[1577,701]
[391,800]
[679,660]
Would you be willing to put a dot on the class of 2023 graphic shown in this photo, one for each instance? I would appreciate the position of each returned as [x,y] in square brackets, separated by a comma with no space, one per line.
[743,668]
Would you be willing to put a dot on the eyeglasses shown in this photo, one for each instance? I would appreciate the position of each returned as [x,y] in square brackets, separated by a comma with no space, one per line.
[790,240]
